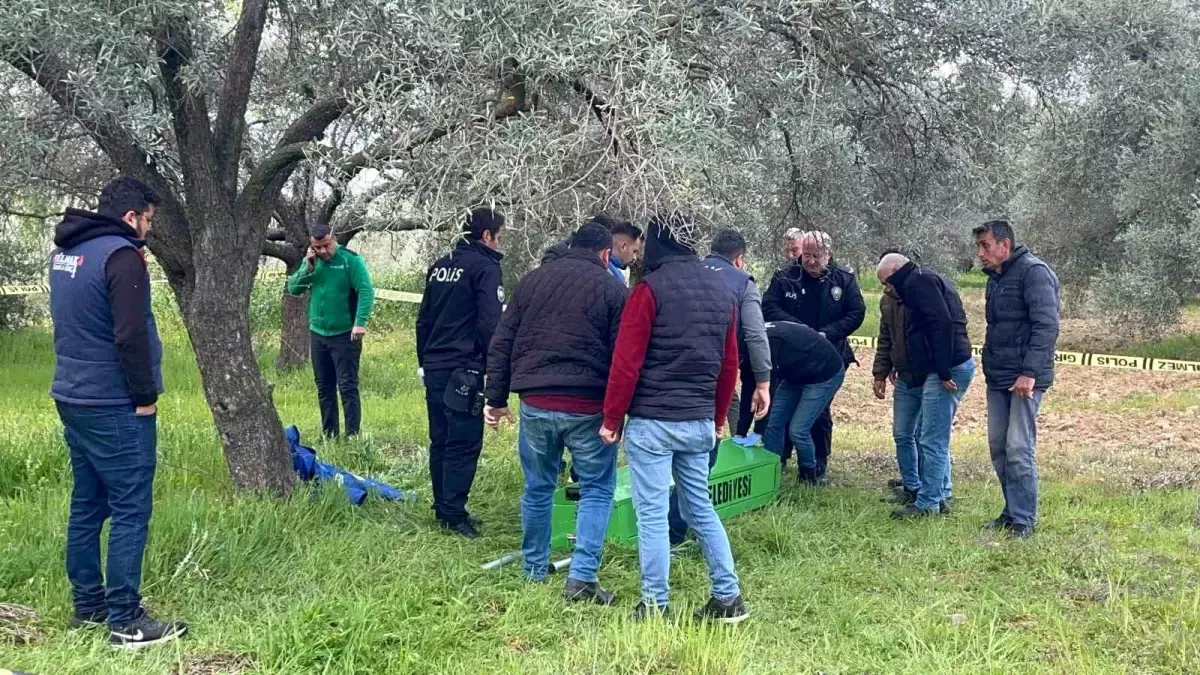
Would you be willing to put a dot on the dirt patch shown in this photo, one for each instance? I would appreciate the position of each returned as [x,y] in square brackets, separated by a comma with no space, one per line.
[215,663]
[1096,422]
[17,624]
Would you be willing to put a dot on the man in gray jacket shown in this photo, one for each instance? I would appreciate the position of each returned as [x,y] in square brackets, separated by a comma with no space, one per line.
[1018,365]
[727,257]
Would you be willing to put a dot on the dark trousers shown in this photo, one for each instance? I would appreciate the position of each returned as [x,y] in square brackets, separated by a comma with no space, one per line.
[113,461]
[455,441]
[677,527]
[745,414]
[335,367]
[822,437]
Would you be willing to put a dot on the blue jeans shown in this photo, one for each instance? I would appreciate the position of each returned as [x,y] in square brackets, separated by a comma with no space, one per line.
[938,408]
[541,439]
[794,410]
[906,419]
[675,523]
[1012,439]
[113,458]
[658,450]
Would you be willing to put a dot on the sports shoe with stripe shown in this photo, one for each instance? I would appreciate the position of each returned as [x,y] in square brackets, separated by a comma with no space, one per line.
[144,631]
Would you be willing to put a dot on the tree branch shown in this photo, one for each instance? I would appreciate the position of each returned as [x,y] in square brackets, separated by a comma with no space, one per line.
[230,129]
[344,235]
[24,214]
[281,251]
[189,110]
[601,109]
[257,199]
[171,243]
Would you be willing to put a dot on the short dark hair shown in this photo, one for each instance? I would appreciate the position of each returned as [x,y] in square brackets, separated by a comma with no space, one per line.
[628,229]
[482,220]
[888,251]
[604,221]
[1000,229]
[124,194]
[728,243]
[592,236]
[319,230]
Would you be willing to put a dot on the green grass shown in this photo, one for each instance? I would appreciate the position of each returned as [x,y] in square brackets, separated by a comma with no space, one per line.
[1178,347]
[312,585]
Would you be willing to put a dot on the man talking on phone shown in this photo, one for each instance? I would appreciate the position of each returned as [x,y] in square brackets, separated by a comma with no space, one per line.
[339,307]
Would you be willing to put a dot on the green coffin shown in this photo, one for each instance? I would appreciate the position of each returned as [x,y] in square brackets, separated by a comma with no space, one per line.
[742,479]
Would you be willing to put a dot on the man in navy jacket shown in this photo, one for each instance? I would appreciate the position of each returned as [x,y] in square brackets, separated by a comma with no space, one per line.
[107,378]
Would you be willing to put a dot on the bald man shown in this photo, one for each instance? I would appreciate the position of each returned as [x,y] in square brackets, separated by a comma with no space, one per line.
[937,345]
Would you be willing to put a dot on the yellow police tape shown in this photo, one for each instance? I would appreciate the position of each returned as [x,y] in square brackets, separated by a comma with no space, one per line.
[1066,358]
[1085,359]
[44,289]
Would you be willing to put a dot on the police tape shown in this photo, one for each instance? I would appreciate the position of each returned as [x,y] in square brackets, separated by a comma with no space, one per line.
[1086,359]
[44,289]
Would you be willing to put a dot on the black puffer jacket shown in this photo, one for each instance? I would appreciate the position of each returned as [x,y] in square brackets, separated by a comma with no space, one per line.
[1022,322]
[556,336]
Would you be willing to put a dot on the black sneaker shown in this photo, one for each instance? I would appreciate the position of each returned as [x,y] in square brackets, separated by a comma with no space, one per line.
[463,527]
[1017,531]
[1001,523]
[93,619]
[944,508]
[645,611]
[144,631]
[895,483]
[733,611]
[587,591]
[911,512]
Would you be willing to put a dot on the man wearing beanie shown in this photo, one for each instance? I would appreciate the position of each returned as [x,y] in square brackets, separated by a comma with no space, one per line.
[459,311]
[674,370]
[554,347]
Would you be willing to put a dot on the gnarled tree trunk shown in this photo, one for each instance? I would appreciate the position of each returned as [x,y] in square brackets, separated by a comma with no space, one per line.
[239,397]
[294,341]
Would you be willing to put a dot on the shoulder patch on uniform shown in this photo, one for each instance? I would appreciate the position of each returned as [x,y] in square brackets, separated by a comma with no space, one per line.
[500,294]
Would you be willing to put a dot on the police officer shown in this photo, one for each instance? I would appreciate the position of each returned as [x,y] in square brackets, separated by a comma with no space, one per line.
[463,299]
[825,297]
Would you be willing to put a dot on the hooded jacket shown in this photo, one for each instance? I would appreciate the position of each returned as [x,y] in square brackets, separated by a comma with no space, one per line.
[106,345]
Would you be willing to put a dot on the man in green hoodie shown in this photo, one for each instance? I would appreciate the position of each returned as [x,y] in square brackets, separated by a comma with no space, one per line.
[339,308]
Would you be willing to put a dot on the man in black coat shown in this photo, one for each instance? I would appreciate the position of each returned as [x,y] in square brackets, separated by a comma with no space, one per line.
[554,347]
[825,297]
[459,311]
[937,344]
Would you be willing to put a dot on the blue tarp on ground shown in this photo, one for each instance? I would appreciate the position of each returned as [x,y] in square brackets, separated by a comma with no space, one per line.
[304,461]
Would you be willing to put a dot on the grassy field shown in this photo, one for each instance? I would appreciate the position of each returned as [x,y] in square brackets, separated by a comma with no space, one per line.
[311,585]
